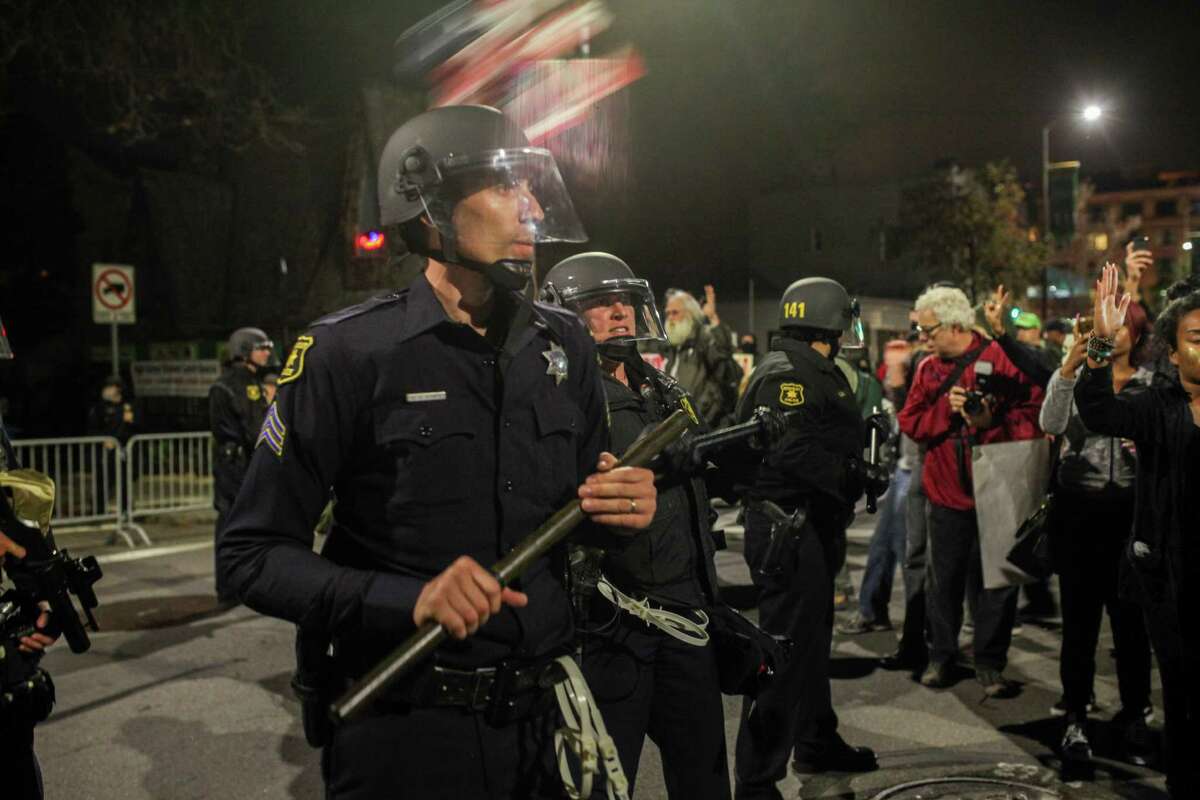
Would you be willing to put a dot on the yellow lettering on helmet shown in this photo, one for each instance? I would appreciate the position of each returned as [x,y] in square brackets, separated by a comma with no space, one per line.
[793,310]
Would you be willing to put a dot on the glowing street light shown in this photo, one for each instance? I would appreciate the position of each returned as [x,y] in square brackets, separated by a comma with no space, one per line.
[1092,113]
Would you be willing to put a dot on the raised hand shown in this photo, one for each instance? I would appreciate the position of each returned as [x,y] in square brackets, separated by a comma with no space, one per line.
[993,309]
[1110,309]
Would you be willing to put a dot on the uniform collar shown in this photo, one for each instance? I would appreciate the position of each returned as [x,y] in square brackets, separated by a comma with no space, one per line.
[804,352]
[425,312]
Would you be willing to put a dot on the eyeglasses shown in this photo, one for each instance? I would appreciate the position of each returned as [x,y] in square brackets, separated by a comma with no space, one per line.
[921,329]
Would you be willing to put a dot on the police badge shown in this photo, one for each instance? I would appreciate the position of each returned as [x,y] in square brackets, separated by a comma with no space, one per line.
[556,359]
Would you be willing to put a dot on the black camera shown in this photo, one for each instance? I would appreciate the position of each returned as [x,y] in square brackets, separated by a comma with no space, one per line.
[983,379]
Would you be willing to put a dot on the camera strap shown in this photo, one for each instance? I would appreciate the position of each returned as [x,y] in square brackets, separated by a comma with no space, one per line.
[964,361]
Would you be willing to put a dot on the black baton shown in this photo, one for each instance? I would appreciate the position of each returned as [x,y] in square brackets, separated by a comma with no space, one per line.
[430,634]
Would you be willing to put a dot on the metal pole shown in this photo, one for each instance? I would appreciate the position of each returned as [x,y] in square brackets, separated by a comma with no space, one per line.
[750,307]
[116,363]
[1046,218]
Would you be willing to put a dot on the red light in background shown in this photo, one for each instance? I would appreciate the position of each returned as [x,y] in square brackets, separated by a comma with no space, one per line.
[370,242]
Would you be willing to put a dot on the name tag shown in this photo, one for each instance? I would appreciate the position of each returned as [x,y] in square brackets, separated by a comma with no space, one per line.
[424,397]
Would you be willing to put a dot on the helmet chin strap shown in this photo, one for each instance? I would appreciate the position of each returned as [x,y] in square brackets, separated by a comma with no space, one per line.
[507,273]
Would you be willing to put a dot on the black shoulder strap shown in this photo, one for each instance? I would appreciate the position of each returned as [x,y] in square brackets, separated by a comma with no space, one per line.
[964,361]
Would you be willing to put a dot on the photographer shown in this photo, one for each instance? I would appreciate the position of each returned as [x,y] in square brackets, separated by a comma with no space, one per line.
[1161,568]
[949,410]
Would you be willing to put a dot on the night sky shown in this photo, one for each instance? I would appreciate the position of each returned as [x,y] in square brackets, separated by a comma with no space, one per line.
[748,96]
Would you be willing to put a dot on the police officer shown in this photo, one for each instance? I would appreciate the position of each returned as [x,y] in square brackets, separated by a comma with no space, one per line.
[818,466]
[236,407]
[646,652]
[450,419]
[22,774]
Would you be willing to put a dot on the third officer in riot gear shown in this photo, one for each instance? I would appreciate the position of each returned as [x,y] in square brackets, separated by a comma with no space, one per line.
[236,407]
[645,648]
[816,468]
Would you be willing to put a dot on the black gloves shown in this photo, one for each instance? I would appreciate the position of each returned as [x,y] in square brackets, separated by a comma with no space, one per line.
[873,478]
[881,423]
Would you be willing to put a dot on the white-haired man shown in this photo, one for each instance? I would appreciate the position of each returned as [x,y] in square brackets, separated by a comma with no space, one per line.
[700,353]
[948,411]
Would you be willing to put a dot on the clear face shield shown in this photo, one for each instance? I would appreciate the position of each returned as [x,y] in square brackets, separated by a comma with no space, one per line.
[852,337]
[6,352]
[29,496]
[618,310]
[494,207]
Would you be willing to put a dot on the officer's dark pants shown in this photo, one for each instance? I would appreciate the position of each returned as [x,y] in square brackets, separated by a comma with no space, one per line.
[646,682]
[227,479]
[22,777]
[914,637]
[1179,668]
[953,569]
[885,551]
[1088,545]
[435,753]
[795,712]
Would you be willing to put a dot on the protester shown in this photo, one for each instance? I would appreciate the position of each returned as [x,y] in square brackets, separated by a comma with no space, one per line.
[699,354]
[1092,517]
[887,546]
[938,416]
[1161,568]
[1054,339]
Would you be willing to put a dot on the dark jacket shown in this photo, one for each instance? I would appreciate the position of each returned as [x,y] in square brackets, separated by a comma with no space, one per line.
[811,463]
[1163,550]
[108,419]
[672,560]
[437,443]
[705,368]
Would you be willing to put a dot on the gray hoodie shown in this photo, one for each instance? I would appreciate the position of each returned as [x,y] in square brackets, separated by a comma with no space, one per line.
[1089,463]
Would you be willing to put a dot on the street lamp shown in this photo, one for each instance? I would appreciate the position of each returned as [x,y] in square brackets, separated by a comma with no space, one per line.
[1090,114]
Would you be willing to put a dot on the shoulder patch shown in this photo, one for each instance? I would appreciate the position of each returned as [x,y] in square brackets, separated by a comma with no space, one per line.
[253,392]
[362,308]
[791,394]
[294,367]
[273,432]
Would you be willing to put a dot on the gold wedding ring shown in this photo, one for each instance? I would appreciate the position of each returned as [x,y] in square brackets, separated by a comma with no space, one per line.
[633,506]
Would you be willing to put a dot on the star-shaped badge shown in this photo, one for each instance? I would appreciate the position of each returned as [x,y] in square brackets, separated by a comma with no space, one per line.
[556,358]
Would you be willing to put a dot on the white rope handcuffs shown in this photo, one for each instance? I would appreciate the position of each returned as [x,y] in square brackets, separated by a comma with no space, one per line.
[585,736]
[688,631]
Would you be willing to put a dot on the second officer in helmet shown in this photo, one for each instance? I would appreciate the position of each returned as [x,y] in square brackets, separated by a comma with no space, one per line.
[645,644]
[817,466]
[450,419]
[236,407]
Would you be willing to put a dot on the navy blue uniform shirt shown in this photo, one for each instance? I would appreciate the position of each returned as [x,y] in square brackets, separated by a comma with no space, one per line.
[826,429]
[436,444]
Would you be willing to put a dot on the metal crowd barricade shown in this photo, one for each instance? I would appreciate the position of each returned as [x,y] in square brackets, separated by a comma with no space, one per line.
[90,484]
[168,473]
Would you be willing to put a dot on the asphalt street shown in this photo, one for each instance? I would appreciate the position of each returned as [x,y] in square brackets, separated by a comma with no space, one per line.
[178,700]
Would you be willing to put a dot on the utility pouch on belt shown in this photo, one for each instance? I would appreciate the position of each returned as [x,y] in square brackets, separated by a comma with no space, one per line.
[314,685]
[747,657]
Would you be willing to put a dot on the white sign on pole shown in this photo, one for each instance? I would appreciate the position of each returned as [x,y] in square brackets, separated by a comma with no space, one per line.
[175,378]
[113,295]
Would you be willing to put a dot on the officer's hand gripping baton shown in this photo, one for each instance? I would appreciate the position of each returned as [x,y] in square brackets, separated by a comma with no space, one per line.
[431,634]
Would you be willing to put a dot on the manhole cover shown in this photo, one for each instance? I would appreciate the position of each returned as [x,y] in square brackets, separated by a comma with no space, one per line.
[967,789]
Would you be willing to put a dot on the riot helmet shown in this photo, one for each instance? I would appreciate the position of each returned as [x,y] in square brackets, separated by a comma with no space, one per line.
[446,155]
[245,341]
[6,352]
[590,280]
[821,309]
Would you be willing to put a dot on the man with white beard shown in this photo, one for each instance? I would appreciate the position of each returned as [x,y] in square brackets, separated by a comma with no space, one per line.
[700,353]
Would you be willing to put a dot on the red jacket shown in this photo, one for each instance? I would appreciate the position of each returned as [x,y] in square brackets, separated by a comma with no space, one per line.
[946,475]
